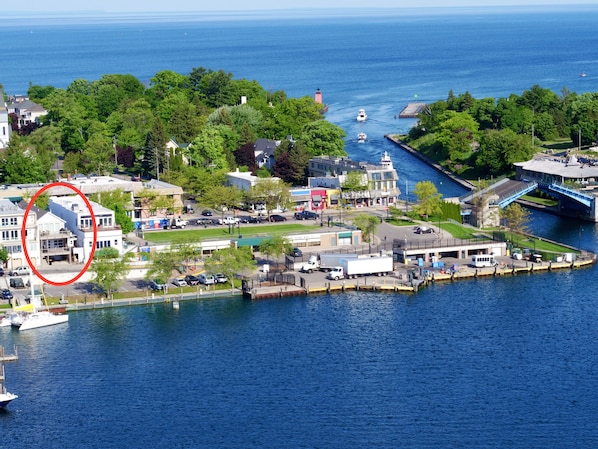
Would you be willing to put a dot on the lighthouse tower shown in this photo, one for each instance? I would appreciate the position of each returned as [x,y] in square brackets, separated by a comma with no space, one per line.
[318,96]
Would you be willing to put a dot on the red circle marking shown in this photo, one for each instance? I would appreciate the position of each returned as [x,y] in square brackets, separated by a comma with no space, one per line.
[24,232]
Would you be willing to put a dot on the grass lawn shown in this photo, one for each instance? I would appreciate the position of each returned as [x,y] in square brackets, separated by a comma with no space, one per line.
[538,200]
[194,235]
[460,232]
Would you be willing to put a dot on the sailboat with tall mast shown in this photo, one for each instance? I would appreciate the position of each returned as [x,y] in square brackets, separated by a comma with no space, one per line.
[38,318]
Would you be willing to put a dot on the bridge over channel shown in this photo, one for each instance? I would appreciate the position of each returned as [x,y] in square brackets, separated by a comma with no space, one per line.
[571,201]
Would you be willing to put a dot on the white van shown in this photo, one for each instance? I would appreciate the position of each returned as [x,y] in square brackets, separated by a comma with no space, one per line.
[483,260]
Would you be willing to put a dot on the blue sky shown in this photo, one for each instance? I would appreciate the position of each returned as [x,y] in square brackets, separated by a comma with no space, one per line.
[245,5]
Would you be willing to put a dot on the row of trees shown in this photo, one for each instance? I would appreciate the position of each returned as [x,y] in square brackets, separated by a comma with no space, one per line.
[480,137]
[117,121]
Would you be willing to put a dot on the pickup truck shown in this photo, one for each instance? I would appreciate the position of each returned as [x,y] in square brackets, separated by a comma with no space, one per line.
[228,220]
[177,223]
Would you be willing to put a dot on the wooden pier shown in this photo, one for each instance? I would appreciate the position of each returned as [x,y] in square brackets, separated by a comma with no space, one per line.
[10,357]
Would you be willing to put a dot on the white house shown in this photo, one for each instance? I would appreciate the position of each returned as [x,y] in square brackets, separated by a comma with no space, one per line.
[245,180]
[55,241]
[5,128]
[77,217]
[11,222]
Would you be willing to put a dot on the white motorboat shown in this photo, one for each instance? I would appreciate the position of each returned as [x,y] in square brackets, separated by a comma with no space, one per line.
[362,116]
[6,397]
[41,319]
[361,137]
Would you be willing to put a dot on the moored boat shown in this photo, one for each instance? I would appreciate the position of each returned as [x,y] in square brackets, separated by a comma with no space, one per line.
[5,396]
[41,319]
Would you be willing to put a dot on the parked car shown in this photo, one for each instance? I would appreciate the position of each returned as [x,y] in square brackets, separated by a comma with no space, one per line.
[306,215]
[423,230]
[180,282]
[6,294]
[191,280]
[204,221]
[16,283]
[277,218]
[255,220]
[221,278]
[244,218]
[20,271]
[296,252]
[206,213]
[207,279]
[157,285]
[1,271]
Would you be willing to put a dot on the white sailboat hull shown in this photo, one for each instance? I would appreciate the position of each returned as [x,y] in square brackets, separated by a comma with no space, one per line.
[42,319]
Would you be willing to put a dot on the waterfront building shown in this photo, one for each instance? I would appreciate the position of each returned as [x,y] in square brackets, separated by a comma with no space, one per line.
[77,217]
[55,241]
[141,193]
[11,224]
[380,180]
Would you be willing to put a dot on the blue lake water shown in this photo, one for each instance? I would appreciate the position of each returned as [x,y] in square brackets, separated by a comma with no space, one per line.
[506,362]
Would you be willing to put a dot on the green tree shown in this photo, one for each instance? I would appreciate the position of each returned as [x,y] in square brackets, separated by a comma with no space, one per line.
[322,138]
[98,154]
[457,132]
[119,202]
[162,265]
[221,198]
[21,165]
[272,193]
[4,256]
[515,218]
[275,246]
[231,262]
[209,148]
[355,183]
[499,150]
[429,200]
[109,270]
[368,225]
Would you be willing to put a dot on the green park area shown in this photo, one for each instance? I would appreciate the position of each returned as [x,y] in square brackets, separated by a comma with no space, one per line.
[223,232]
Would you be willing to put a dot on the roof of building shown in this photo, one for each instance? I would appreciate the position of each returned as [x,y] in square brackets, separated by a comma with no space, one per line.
[67,202]
[567,168]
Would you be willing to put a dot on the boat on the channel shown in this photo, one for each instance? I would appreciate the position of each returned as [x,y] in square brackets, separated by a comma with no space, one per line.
[361,137]
[583,74]
[361,115]
[5,396]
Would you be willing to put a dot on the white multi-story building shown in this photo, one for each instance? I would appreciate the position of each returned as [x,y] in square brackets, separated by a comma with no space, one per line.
[77,217]
[11,223]
[5,128]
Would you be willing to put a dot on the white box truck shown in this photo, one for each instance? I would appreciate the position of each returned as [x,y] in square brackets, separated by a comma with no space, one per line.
[351,268]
